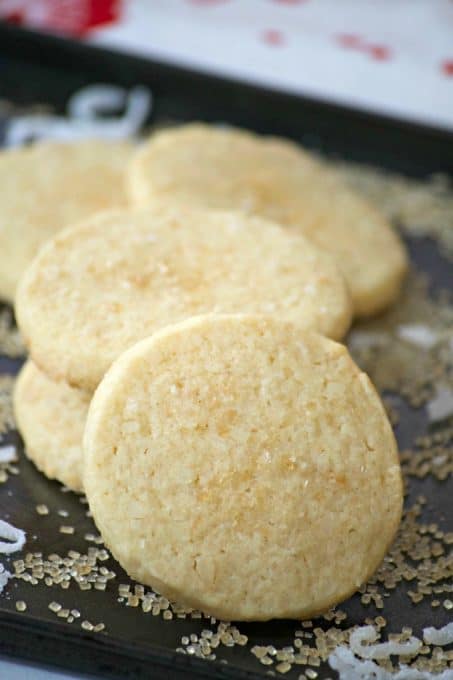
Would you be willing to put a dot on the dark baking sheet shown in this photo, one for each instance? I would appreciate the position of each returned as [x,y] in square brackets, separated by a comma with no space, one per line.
[135,645]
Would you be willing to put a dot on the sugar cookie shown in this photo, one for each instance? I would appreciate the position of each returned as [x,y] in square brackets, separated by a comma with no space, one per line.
[48,186]
[231,169]
[51,417]
[98,288]
[242,466]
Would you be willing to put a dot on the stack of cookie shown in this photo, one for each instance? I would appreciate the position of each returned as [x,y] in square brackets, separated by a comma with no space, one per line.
[234,457]
[101,286]
[44,188]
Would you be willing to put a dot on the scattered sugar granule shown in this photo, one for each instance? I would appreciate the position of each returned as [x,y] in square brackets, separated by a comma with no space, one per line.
[66,529]
[42,509]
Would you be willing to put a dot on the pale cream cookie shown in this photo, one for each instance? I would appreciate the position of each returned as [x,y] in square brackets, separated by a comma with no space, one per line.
[51,417]
[243,466]
[96,289]
[231,169]
[47,186]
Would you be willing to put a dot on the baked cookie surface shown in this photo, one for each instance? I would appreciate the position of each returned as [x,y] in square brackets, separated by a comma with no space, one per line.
[242,466]
[51,418]
[231,169]
[98,288]
[48,186]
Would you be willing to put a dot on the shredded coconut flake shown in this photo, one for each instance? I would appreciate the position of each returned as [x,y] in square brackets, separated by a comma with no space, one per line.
[365,339]
[12,534]
[83,121]
[439,636]
[4,577]
[440,406]
[381,650]
[95,99]
[417,334]
[349,667]
[8,453]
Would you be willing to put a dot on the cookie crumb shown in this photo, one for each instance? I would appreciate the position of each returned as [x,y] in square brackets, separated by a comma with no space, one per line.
[66,529]
[42,509]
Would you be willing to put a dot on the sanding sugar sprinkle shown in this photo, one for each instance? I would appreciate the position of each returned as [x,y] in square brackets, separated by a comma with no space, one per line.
[92,627]
[420,556]
[153,603]
[66,529]
[42,509]
[205,644]
[432,454]
[85,570]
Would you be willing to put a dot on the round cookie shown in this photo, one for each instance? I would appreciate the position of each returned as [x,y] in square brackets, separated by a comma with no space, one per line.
[242,466]
[47,186]
[51,418]
[230,169]
[98,288]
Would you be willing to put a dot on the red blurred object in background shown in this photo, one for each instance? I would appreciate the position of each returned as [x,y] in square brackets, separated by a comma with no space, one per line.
[73,18]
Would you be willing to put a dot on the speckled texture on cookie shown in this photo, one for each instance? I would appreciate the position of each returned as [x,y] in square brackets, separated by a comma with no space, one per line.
[48,186]
[51,417]
[242,466]
[98,288]
[228,169]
